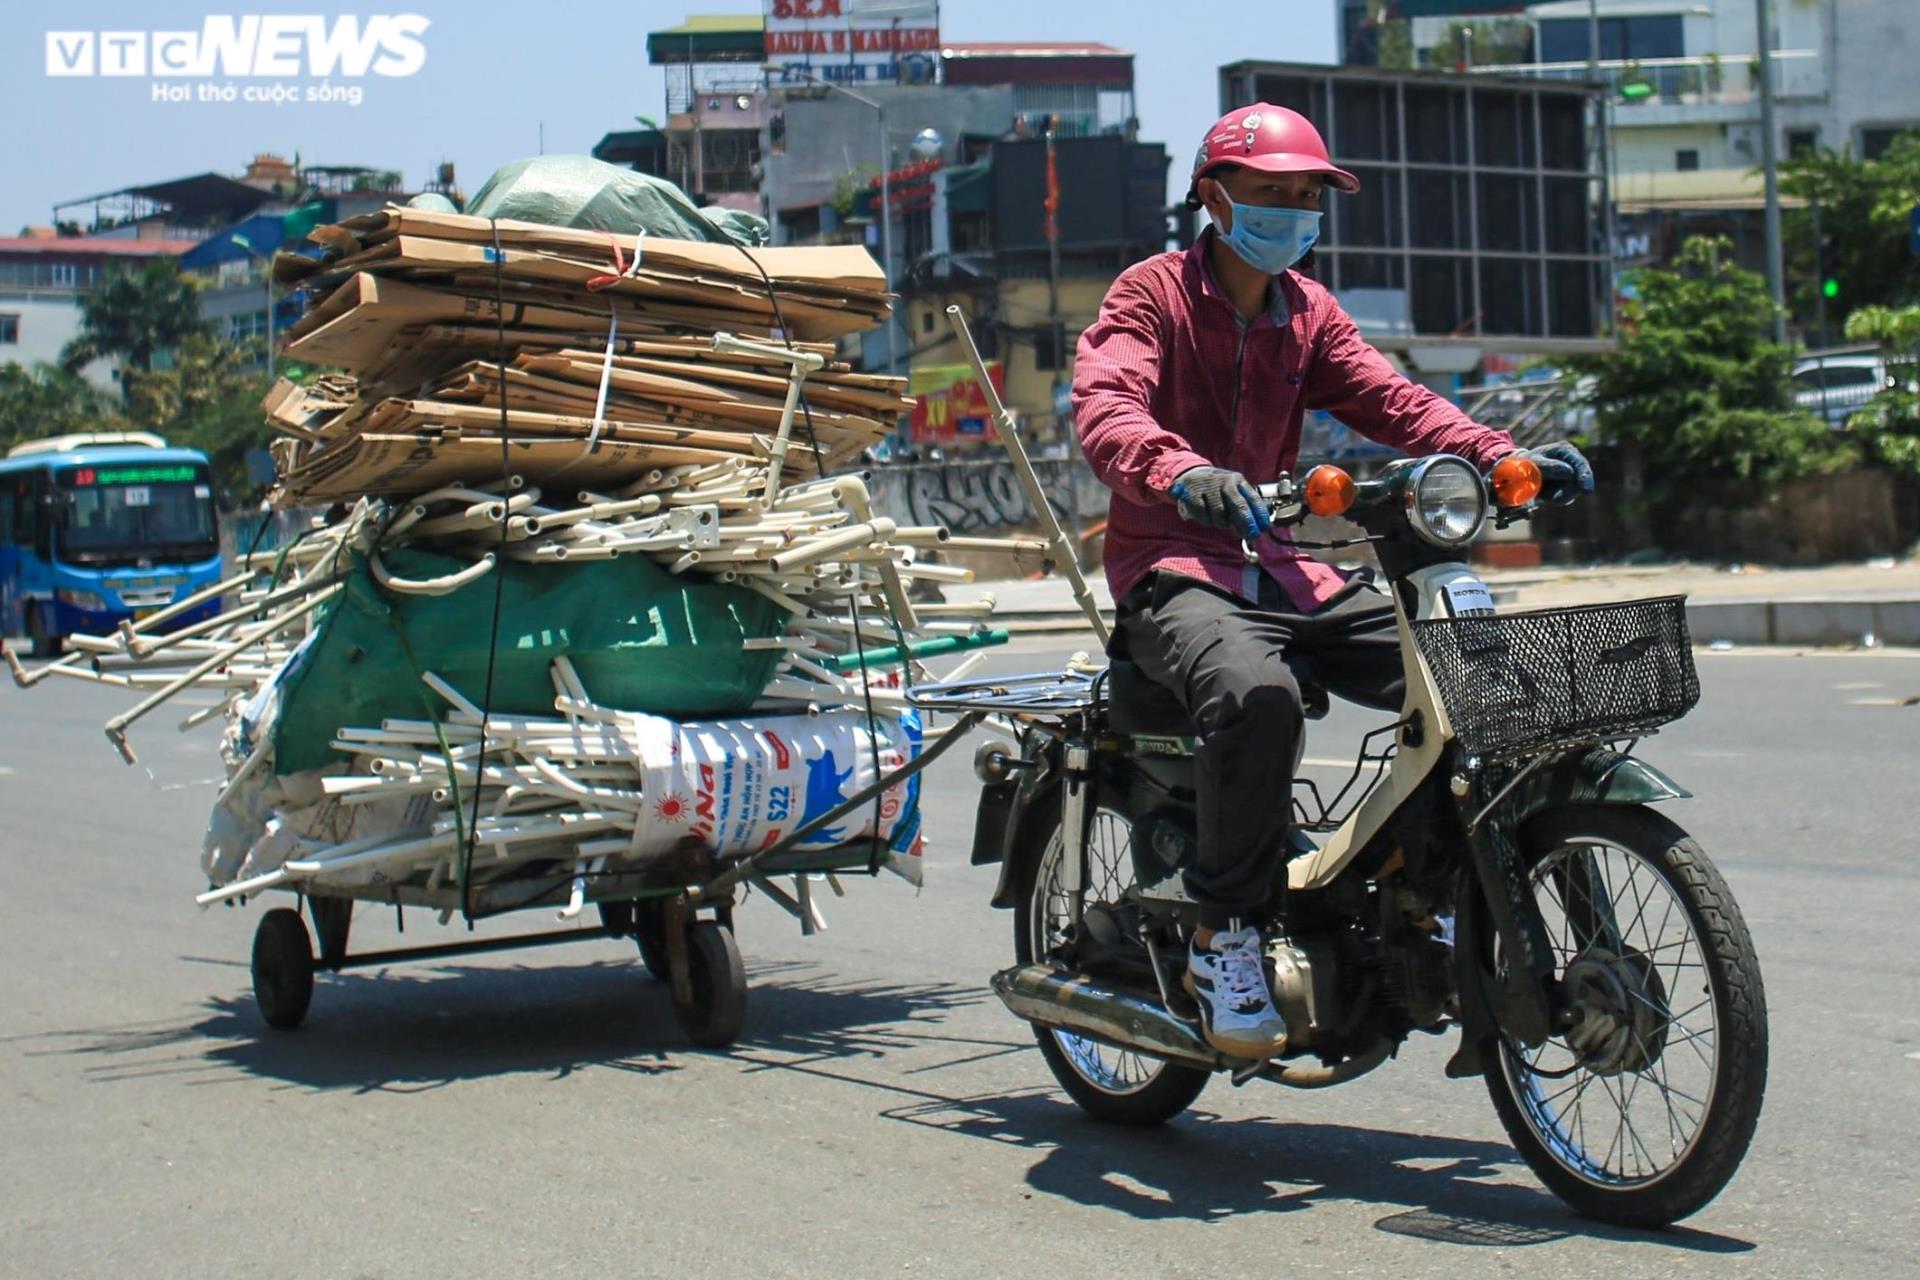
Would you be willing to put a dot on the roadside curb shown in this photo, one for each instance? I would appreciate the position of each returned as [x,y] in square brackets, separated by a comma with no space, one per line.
[1806,621]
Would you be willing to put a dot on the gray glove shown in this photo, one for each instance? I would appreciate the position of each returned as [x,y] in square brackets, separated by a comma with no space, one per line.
[1221,499]
[1565,473]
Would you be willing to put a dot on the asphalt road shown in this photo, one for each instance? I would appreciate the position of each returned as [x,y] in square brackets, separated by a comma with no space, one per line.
[538,1113]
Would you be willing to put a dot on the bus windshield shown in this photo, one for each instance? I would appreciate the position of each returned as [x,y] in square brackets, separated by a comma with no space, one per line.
[150,511]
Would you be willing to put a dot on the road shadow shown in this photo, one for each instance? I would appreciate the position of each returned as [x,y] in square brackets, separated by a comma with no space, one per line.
[425,1027]
[1203,1168]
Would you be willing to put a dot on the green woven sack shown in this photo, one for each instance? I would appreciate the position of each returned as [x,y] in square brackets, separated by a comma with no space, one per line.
[641,639]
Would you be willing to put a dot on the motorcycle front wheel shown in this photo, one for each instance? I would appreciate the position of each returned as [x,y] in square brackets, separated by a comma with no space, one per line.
[1120,1086]
[1641,1110]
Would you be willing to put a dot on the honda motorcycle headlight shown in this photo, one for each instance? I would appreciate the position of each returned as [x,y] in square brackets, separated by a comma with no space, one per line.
[1446,501]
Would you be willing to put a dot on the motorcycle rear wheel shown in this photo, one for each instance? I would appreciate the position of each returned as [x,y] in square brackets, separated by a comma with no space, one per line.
[1674,1034]
[1119,1086]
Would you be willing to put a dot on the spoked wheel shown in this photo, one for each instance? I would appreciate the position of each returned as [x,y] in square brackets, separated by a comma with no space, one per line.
[1116,1085]
[717,1008]
[282,968]
[1641,1111]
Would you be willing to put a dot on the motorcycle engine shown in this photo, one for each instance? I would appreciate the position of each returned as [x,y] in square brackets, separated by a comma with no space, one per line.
[1304,981]
[1331,995]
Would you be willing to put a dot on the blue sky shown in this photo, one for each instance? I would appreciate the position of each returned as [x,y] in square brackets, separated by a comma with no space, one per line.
[495,71]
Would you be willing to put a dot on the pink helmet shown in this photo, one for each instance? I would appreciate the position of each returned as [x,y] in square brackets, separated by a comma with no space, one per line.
[1268,138]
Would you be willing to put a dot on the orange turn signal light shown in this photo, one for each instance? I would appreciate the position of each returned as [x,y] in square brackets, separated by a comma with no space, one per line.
[1329,491]
[1516,480]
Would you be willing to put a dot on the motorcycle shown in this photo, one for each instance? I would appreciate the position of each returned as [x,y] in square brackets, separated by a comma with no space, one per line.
[1493,864]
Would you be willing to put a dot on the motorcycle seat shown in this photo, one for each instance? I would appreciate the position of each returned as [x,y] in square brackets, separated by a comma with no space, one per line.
[1138,704]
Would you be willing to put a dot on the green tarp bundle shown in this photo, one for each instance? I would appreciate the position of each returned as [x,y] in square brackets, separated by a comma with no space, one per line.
[580,191]
[749,229]
[641,639]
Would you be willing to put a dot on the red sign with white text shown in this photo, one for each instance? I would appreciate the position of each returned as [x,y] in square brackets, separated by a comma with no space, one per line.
[853,40]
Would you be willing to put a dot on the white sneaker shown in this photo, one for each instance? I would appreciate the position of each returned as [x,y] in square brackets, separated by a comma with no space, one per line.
[1229,981]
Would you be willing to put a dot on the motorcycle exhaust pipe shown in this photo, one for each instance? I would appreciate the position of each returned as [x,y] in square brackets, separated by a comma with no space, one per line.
[1051,997]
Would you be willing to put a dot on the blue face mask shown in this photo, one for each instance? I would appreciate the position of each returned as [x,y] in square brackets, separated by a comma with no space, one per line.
[1272,240]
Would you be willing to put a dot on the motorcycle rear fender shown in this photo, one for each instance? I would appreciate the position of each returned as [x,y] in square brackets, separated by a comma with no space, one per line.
[1016,813]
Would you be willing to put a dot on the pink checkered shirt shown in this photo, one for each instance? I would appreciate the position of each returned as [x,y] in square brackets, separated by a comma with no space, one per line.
[1169,377]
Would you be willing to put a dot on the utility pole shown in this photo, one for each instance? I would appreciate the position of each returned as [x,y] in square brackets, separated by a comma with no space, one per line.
[1058,330]
[1819,273]
[886,232]
[1770,167]
[1597,150]
[886,199]
[240,239]
[1593,41]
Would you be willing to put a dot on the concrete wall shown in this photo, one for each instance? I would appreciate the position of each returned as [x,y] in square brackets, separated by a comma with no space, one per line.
[1652,150]
[1875,45]
[984,496]
[47,323]
[1816,520]
[1863,77]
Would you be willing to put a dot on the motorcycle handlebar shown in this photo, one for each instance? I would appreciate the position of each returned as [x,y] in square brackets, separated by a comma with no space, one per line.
[1289,502]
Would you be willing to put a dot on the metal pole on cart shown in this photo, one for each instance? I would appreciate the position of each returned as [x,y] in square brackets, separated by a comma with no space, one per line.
[1063,550]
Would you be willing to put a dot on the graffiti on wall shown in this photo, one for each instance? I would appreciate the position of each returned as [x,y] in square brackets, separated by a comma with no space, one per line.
[985,496]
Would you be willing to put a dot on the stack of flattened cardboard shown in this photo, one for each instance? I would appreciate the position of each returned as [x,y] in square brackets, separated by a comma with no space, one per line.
[591,354]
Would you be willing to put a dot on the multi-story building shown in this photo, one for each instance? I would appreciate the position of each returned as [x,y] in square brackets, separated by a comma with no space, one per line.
[798,117]
[1407,35]
[1028,297]
[223,229]
[715,111]
[1478,227]
[232,258]
[1682,91]
[44,275]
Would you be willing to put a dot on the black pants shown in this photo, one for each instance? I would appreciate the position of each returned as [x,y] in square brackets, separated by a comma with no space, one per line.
[1228,660]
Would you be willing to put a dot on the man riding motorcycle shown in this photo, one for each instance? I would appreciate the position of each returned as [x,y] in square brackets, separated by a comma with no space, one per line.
[1189,389]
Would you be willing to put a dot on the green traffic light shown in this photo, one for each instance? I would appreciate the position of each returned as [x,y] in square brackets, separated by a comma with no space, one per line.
[1830,287]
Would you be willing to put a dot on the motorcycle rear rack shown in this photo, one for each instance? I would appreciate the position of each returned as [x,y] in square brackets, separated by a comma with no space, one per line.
[1046,694]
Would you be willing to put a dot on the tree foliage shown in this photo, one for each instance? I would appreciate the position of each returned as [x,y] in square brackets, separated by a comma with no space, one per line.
[1484,41]
[1864,207]
[46,400]
[1698,384]
[137,316]
[1889,425]
[209,399]
[177,379]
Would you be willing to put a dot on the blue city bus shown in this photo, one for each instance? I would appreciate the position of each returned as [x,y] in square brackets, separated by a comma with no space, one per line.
[99,529]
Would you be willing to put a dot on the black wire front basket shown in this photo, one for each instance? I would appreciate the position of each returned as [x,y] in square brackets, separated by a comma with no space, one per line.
[1521,684]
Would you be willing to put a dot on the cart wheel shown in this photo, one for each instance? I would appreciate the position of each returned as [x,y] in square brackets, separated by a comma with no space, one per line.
[282,968]
[645,921]
[650,932]
[332,923]
[713,1017]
